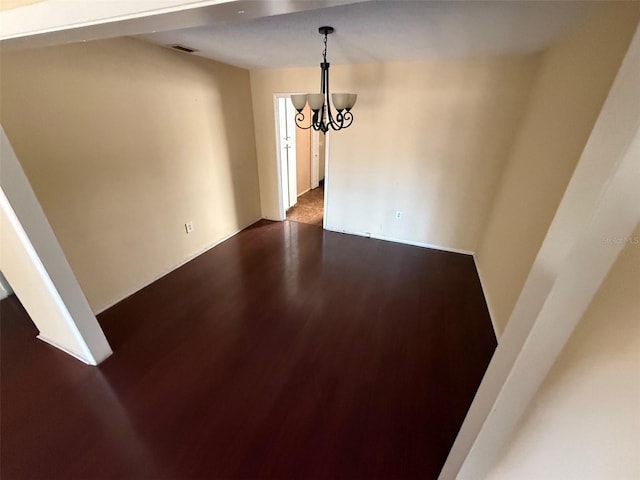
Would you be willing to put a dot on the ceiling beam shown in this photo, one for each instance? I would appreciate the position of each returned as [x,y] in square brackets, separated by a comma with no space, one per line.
[55,23]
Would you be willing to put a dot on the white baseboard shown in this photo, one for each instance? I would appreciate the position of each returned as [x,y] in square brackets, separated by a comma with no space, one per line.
[307,190]
[168,271]
[486,299]
[398,240]
[65,350]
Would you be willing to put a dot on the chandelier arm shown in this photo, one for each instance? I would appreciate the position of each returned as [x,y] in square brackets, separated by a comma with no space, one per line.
[318,123]
[299,118]
[337,123]
[346,119]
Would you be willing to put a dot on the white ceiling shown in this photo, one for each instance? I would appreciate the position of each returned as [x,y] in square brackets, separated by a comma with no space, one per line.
[381,31]
[56,22]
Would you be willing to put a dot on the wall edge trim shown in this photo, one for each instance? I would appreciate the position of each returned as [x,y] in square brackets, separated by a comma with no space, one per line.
[486,300]
[402,241]
[65,350]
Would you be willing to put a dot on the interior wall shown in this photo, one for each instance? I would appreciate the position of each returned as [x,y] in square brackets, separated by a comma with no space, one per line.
[601,202]
[123,143]
[569,91]
[26,278]
[34,263]
[303,157]
[428,139]
[583,422]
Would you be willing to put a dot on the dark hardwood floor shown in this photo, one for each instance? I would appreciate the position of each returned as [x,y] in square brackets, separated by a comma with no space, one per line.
[286,352]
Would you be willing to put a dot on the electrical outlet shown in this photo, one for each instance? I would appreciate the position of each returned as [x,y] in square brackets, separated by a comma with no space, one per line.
[398,215]
[188,227]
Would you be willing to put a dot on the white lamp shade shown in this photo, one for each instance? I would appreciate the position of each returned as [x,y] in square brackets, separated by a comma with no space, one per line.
[299,101]
[340,100]
[351,101]
[316,101]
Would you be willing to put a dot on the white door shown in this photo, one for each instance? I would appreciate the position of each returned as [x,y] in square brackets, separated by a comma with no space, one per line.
[287,146]
[315,159]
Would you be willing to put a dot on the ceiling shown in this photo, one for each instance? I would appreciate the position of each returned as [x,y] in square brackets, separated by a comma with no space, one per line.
[56,22]
[375,31]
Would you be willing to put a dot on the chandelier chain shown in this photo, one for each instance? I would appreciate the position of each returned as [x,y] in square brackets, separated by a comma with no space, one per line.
[324,52]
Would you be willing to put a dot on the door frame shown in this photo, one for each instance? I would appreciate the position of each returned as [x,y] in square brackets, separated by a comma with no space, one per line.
[315,164]
[325,207]
[282,168]
[315,159]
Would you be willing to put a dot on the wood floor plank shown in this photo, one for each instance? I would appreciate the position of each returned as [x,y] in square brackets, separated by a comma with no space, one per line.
[286,352]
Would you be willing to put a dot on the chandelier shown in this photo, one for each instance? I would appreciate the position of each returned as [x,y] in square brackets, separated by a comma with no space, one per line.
[323,116]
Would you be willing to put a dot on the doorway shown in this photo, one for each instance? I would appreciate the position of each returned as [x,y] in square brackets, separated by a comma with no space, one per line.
[301,157]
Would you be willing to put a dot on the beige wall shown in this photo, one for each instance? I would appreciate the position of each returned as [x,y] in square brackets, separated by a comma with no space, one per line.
[124,142]
[572,84]
[584,421]
[429,139]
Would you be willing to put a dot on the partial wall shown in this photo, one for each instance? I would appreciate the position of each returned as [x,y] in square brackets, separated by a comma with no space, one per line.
[33,262]
[123,143]
[599,211]
[569,91]
[583,422]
